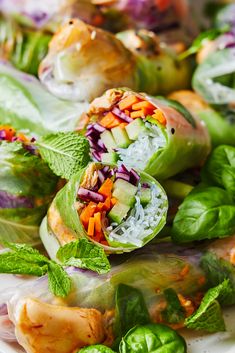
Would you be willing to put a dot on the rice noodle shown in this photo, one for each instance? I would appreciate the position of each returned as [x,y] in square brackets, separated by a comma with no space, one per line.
[142,220]
[143,148]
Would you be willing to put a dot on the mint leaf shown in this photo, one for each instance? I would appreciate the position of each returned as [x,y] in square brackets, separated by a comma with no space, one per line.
[25,260]
[98,348]
[174,312]
[216,271]
[59,281]
[209,316]
[12,263]
[65,153]
[84,254]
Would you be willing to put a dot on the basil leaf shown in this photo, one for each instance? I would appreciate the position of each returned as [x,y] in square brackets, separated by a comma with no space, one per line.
[59,281]
[216,271]
[99,348]
[84,254]
[220,168]
[209,316]
[206,213]
[66,153]
[130,309]
[174,312]
[153,338]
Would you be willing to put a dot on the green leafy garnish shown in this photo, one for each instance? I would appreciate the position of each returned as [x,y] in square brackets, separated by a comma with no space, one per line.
[220,168]
[130,309]
[206,213]
[216,271]
[211,34]
[209,316]
[152,338]
[65,153]
[84,254]
[25,260]
[99,348]
[174,312]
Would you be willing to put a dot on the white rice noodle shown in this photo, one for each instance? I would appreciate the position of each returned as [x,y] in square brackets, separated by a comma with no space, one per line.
[142,220]
[143,148]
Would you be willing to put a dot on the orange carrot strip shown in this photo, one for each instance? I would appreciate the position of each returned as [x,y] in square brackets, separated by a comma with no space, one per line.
[143,104]
[104,242]
[100,206]
[91,227]
[87,213]
[110,120]
[22,137]
[97,217]
[123,125]
[127,112]
[128,102]
[113,201]
[137,114]
[106,188]
[159,116]
[184,271]
[107,204]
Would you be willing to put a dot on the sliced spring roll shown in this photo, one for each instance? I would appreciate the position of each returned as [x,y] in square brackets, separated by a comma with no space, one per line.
[145,133]
[27,186]
[120,210]
[84,61]
[91,303]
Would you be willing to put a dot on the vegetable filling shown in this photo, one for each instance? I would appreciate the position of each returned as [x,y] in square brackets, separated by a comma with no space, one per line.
[116,206]
[132,127]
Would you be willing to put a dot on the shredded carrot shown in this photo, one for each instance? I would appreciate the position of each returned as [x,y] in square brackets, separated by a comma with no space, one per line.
[91,227]
[127,112]
[100,206]
[143,104]
[97,217]
[87,213]
[107,204]
[184,271]
[123,125]
[106,188]
[137,114]
[159,116]
[128,102]
[110,120]
[113,201]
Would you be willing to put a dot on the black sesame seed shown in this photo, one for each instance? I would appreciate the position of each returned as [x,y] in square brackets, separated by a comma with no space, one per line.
[172,131]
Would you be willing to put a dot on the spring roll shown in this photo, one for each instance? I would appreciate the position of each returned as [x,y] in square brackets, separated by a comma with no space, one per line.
[118,209]
[89,310]
[145,133]
[84,61]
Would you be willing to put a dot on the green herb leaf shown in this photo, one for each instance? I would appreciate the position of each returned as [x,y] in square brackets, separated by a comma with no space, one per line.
[84,254]
[174,312]
[209,316]
[220,168]
[14,264]
[130,310]
[206,213]
[66,153]
[24,260]
[153,338]
[211,34]
[59,281]
[99,348]
[216,271]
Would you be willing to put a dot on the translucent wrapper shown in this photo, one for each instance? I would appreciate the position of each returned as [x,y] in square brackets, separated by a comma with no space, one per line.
[30,305]
[27,105]
[140,225]
[84,61]
[164,150]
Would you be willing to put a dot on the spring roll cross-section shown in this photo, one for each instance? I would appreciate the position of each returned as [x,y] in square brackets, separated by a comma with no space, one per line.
[117,208]
[155,135]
